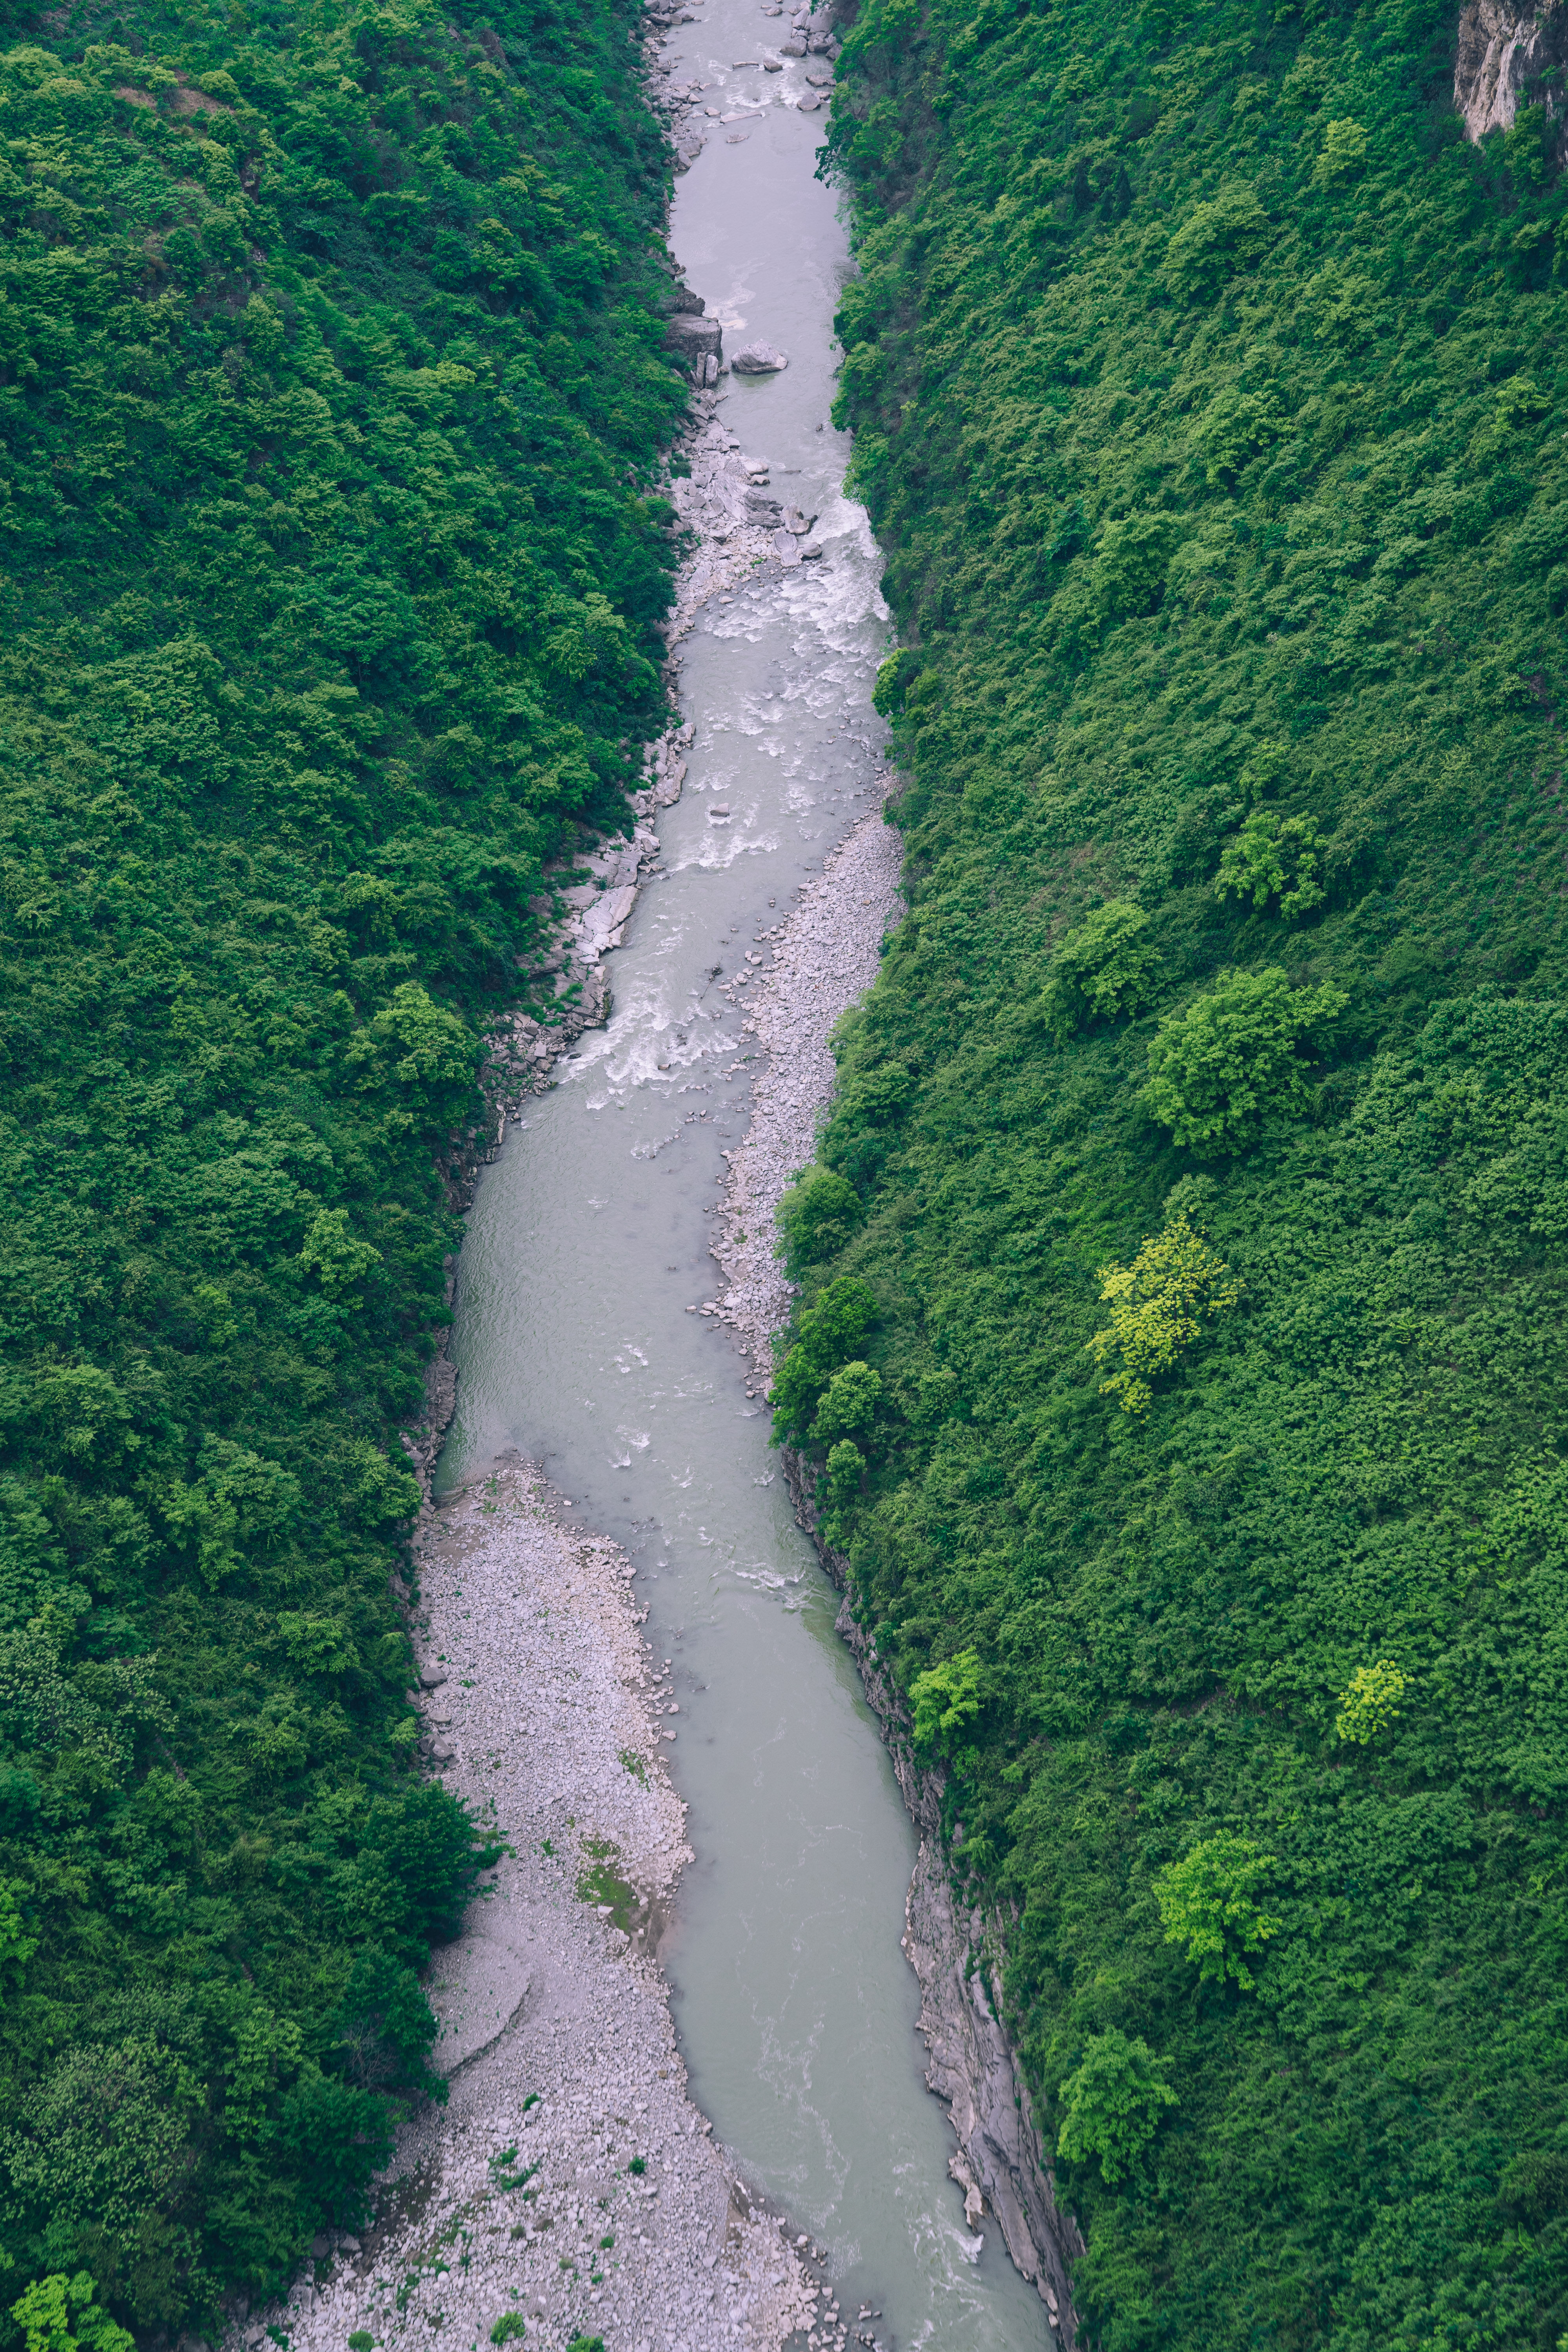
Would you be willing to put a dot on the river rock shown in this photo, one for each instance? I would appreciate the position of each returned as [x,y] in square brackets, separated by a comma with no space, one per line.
[605,920]
[787,547]
[695,340]
[758,359]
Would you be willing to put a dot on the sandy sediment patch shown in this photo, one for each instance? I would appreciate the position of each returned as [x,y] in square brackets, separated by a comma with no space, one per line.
[569,2179]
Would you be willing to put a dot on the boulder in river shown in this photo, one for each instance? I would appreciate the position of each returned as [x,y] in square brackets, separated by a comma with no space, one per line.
[758,359]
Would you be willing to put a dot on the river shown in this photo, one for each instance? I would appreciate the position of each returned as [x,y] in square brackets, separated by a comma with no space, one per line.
[588,1242]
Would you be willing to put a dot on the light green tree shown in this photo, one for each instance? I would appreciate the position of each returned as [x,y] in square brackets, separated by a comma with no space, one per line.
[61,2314]
[1369,1704]
[946,1700]
[1103,969]
[850,1403]
[1158,1306]
[1219,1066]
[1272,858]
[1208,1902]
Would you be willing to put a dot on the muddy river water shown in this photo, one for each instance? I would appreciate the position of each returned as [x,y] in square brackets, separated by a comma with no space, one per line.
[588,1242]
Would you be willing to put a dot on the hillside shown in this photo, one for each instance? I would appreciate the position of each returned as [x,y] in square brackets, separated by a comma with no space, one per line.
[332,393]
[1186,1272]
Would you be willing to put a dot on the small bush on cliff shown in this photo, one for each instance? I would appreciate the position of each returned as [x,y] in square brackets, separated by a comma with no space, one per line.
[1113,2104]
[1158,1306]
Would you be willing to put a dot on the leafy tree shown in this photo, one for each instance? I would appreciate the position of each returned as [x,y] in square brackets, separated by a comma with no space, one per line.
[1233,1057]
[1207,1902]
[1103,969]
[817,1217]
[1369,1705]
[1157,1307]
[846,1472]
[62,2315]
[1272,858]
[946,1700]
[850,1404]
[1112,2105]
[828,1334]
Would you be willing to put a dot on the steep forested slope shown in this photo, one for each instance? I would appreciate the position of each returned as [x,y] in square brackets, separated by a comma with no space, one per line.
[1187,1274]
[331,390]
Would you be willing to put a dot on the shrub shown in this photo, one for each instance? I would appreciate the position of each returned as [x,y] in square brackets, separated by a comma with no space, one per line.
[1103,969]
[1233,1057]
[828,1334]
[946,1700]
[1131,563]
[1158,1306]
[1272,858]
[853,1395]
[1215,241]
[508,2328]
[1112,2105]
[816,1216]
[1369,1704]
[1206,1901]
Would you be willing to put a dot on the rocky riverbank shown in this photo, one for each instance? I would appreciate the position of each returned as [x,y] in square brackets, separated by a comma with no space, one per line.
[823,957]
[569,2182]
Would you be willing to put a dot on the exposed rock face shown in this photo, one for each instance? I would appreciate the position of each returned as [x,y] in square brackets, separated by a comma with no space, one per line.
[697,340]
[1506,50]
[1001,2162]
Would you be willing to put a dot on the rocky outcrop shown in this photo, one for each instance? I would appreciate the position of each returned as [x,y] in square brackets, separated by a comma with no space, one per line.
[1000,2163]
[1511,56]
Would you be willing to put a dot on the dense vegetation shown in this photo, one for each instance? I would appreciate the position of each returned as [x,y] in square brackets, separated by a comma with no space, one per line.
[331,390]
[1186,1269]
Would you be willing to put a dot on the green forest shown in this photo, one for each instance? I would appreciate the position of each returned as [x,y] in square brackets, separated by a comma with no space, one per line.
[331,402]
[1186,1266]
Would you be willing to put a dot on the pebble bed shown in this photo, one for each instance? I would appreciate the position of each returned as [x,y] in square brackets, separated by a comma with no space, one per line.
[825,958]
[570,2181]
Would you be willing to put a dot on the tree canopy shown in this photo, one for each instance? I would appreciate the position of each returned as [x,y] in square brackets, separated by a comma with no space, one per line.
[1209,399]
[331,399]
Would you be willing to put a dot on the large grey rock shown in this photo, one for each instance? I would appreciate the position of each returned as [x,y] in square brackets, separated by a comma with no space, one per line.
[758,359]
[604,920]
[695,340]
